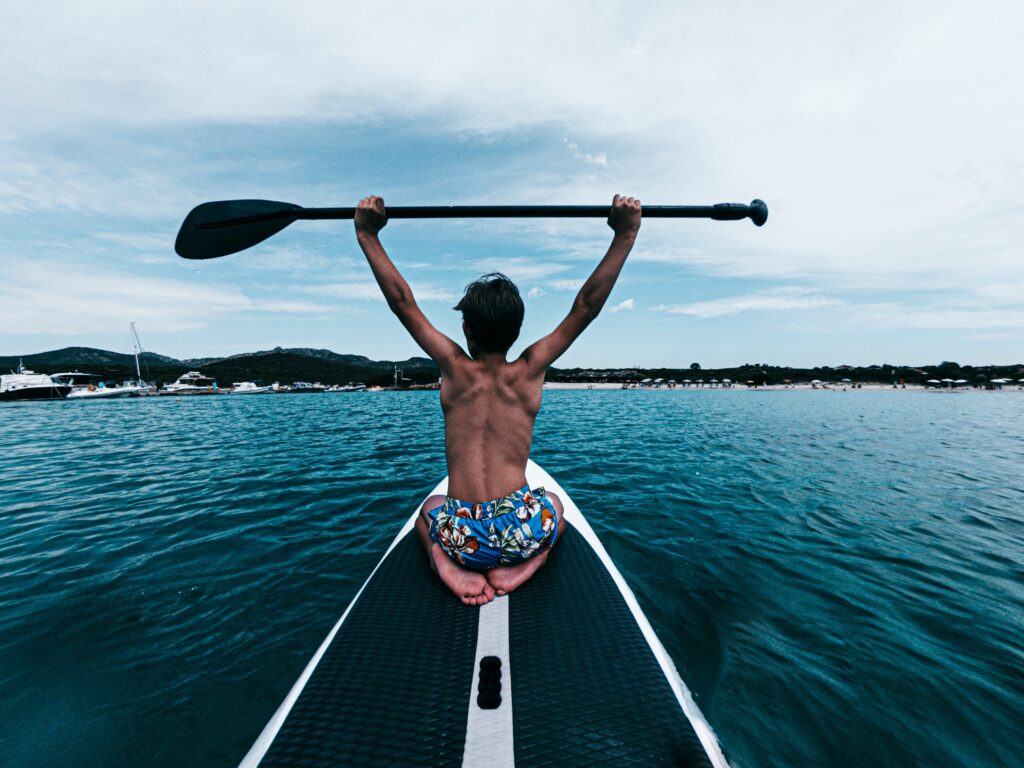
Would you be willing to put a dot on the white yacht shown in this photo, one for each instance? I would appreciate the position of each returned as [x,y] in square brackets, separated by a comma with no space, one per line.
[191,383]
[249,388]
[24,384]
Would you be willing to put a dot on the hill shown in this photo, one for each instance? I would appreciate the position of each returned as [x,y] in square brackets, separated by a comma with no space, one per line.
[323,354]
[74,357]
[263,367]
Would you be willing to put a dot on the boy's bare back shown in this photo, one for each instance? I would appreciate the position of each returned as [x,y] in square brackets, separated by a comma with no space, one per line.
[489,409]
[489,403]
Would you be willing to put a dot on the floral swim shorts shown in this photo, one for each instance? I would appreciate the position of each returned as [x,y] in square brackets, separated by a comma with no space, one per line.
[486,534]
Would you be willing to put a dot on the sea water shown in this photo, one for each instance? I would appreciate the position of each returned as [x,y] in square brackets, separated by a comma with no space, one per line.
[837,575]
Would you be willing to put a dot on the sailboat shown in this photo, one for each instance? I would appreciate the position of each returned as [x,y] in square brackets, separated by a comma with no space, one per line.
[139,386]
[85,388]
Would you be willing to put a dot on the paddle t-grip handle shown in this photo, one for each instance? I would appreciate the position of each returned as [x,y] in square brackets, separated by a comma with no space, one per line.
[757,212]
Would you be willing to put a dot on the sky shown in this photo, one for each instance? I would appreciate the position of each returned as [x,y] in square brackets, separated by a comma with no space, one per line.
[884,137]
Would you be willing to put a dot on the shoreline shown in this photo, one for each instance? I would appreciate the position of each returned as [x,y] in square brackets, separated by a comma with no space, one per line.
[778,388]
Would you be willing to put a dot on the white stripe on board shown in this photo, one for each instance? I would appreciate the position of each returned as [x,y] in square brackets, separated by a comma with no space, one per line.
[489,731]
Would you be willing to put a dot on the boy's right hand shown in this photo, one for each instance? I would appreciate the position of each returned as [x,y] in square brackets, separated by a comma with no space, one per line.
[370,217]
[625,215]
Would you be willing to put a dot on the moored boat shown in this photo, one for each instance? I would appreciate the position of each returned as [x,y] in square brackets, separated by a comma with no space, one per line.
[304,388]
[249,388]
[350,387]
[191,383]
[85,386]
[24,384]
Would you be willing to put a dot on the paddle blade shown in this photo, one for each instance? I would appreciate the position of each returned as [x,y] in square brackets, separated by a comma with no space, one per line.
[229,226]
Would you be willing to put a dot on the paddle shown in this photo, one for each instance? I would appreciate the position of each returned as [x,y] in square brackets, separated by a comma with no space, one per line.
[229,226]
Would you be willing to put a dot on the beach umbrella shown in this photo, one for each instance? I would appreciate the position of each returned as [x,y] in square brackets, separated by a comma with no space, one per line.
[750,383]
[686,381]
[846,381]
[727,381]
[816,381]
[933,381]
[958,382]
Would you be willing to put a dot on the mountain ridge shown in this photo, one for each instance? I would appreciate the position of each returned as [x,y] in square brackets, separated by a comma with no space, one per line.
[264,366]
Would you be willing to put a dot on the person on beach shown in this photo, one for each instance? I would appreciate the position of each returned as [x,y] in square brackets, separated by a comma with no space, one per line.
[492,531]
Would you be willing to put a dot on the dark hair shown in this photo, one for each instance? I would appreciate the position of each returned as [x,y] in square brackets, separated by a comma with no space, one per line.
[493,310]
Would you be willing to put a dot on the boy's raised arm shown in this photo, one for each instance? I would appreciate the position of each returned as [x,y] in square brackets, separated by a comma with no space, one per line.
[624,219]
[370,218]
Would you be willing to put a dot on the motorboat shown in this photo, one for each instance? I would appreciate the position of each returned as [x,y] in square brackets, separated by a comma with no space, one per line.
[24,384]
[84,386]
[191,383]
[304,388]
[350,387]
[249,388]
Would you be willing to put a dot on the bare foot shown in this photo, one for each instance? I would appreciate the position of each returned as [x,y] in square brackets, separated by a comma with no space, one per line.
[469,586]
[507,577]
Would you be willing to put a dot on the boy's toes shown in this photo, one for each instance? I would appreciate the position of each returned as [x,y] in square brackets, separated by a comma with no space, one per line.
[488,592]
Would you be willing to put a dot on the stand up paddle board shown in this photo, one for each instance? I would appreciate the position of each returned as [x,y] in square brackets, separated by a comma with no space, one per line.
[564,671]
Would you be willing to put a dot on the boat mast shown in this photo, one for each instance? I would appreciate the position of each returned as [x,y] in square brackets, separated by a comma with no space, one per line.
[136,346]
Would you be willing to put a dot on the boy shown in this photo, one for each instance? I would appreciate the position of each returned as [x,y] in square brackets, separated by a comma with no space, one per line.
[485,548]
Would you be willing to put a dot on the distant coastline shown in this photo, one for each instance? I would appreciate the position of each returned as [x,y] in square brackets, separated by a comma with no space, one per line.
[328,367]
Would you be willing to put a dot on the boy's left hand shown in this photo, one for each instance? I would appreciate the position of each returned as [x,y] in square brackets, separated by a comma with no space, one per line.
[371,217]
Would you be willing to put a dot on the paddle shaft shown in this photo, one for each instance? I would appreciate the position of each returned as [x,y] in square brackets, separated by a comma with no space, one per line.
[719,212]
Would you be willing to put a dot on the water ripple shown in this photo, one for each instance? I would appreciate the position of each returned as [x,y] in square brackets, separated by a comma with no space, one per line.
[838,577]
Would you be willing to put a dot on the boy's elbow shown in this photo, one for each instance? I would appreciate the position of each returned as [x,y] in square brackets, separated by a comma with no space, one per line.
[401,301]
[587,307]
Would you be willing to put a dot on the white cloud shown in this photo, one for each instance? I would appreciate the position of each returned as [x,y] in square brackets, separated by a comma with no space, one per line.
[624,305]
[939,318]
[50,297]
[566,285]
[594,158]
[535,293]
[520,268]
[883,139]
[294,307]
[46,297]
[782,299]
[370,291]
[867,130]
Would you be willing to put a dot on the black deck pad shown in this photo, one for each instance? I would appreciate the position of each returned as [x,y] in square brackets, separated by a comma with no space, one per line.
[586,688]
[393,687]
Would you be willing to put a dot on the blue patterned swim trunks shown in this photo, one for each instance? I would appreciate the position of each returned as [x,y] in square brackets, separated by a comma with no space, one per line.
[486,534]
